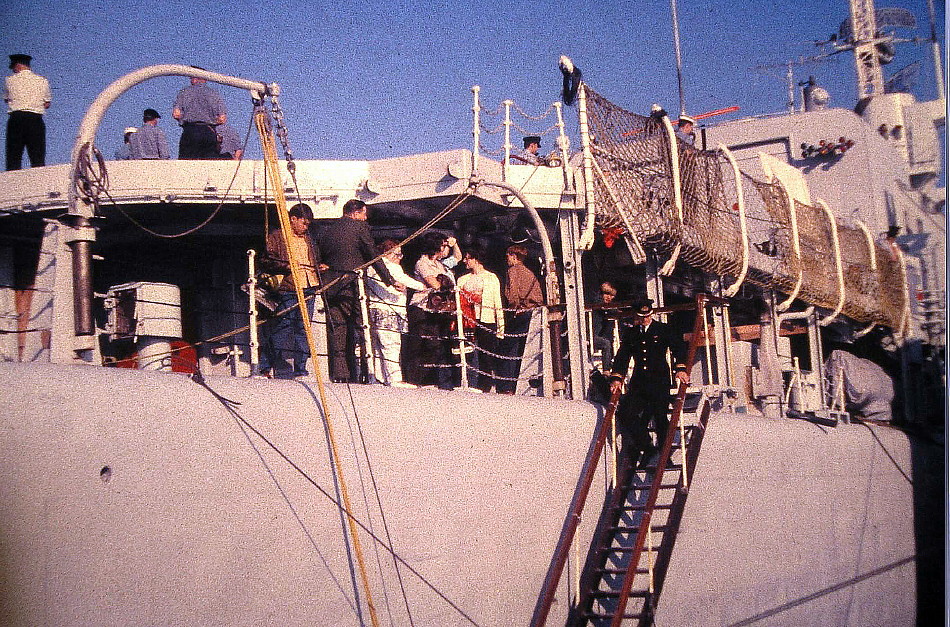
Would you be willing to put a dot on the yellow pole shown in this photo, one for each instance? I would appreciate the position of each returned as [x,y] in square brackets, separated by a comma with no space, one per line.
[270,162]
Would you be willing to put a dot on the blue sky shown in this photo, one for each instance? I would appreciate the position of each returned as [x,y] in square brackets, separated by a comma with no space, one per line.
[375,80]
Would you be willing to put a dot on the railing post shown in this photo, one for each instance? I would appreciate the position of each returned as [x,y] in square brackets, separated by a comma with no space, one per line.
[368,352]
[252,312]
[460,336]
[684,474]
[583,125]
[576,587]
[507,161]
[563,144]
[709,364]
[476,129]
[614,454]
[650,553]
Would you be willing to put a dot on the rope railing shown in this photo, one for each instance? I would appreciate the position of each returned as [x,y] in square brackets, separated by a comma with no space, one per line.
[508,125]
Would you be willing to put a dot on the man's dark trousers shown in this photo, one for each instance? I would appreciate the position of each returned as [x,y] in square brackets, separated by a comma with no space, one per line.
[25,129]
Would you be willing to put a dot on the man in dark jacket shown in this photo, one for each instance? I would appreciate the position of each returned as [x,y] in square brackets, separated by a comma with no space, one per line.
[648,391]
[346,245]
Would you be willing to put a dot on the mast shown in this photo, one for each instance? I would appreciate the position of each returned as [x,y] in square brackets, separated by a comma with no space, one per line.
[863,29]
[679,58]
[935,48]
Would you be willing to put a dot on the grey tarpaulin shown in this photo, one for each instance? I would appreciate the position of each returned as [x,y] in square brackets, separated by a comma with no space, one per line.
[868,390]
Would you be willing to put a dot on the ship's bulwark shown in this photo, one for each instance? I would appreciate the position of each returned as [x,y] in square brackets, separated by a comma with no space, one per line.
[137,498]
[791,523]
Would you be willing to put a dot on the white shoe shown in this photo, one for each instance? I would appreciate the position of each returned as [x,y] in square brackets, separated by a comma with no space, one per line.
[403,384]
[474,390]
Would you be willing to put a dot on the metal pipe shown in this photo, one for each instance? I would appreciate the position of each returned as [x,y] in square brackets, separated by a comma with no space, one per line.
[796,246]
[935,48]
[679,59]
[252,312]
[583,126]
[743,226]
[563,144]
[507,161]
[670,264]
[709,364]
[460,336]
[369,355]
[81,247]
[839,271]
[475,129]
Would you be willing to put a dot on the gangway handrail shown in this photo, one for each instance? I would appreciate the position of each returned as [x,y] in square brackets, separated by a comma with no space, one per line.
[579,501]
[569,529]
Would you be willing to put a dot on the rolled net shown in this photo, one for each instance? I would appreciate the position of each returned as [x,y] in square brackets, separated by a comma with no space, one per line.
[634,190]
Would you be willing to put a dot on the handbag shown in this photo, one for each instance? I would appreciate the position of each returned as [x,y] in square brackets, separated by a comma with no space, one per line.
[442,300]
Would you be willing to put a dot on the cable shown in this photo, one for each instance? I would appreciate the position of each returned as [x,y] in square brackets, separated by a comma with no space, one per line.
[379,503]
[229,406]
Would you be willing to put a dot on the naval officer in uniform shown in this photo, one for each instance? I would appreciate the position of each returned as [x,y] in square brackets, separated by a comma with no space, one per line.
[28,97]
[648,391]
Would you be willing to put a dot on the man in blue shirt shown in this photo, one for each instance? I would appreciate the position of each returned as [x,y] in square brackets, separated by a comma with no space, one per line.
[199,108]
[124,152]
[149,141]
[229,143]
[684,129]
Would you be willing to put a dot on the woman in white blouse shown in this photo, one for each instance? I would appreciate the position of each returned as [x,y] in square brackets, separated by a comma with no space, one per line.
[387,314]
[484,290]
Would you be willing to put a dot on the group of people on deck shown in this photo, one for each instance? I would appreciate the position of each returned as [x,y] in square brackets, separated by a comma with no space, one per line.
[199,109]
[412,309]
[205,132]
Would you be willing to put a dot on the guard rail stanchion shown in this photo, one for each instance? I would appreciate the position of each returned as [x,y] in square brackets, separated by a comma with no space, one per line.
[476,141]
[576,587]
[709,365]
[614,453]
[650,556]
[460,336]
[252,312]
[507,123]
[683,473]
[369,355]
[727,325]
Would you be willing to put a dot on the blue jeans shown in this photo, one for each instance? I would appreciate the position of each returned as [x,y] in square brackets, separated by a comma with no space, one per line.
[286,340]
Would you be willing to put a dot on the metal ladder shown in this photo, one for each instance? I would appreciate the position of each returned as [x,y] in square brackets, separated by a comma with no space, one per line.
[633,542]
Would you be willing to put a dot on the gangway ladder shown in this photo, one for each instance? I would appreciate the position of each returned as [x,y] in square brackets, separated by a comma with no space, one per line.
[649,484]
[633,542]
